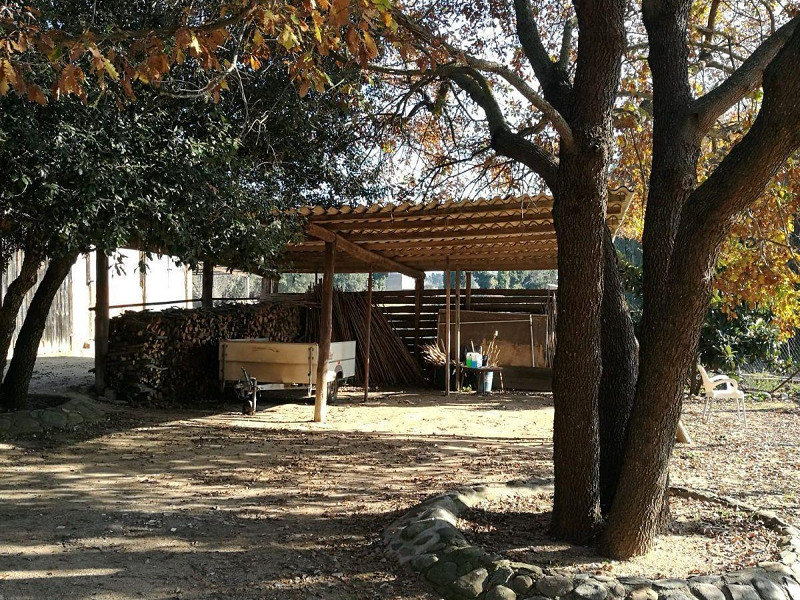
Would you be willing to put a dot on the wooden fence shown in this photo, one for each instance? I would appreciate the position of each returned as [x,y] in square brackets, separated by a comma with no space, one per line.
[400,308]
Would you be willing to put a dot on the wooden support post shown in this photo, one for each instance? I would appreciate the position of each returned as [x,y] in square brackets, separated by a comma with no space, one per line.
[468,292]
[447,349]
[458,329]
[325,326]
[207,299]
[369,336]
[101,317]
[418,286]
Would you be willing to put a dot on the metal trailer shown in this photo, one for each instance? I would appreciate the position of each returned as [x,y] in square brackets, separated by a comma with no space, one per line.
[257,365]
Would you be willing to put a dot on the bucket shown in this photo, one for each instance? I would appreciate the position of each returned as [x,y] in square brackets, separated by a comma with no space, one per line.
[487,382]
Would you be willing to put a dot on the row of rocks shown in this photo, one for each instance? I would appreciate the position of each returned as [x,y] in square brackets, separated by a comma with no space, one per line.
[78,409]
[427,540]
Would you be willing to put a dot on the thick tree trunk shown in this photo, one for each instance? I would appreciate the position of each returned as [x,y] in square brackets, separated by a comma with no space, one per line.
[14,389]
[620,359]
[12,302]
[578,215]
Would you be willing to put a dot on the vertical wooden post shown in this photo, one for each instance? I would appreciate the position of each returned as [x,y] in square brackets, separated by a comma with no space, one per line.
[458,329]
[208,285]
[468,292]
[369,337]
[420,283]
[325,326]
[266,288]
[101,316]
[447,349]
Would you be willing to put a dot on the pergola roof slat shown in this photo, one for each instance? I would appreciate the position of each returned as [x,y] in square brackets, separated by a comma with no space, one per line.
[494,234]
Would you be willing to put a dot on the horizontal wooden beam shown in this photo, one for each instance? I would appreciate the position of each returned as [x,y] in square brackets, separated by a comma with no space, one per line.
[371,259]
[451,234]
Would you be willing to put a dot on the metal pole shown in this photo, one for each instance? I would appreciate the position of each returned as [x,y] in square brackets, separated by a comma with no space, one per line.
[369,335]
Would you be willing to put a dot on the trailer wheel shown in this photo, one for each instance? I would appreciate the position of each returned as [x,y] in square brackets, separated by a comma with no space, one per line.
[333,391]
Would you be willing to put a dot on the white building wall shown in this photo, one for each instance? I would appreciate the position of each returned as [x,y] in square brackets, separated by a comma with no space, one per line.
[162,281]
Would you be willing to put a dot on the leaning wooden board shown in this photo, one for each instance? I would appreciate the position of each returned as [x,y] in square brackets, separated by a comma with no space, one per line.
[283,363]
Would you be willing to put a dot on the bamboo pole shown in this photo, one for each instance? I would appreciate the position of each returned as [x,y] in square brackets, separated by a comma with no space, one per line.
[369,336]
[101,322]
[447,349]
[325,326]
[458,329]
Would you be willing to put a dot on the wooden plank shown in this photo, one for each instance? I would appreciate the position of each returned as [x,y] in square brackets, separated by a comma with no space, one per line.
[356,251]
[325,326]
[447,335]
[368,336]
[458,330]
[101,322]
[419,284]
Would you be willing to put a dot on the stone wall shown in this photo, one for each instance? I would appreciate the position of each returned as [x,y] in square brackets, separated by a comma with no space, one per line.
[427,541]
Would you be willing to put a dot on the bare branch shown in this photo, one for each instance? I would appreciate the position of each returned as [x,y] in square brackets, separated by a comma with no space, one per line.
[566,45]
[745,79]
[554,80]
[530,94]
[504,141]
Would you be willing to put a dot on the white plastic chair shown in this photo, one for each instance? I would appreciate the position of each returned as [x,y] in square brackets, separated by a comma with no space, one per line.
[730,392]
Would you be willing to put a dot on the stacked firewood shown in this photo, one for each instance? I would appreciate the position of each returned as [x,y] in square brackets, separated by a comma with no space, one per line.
[170,357]
[390,362]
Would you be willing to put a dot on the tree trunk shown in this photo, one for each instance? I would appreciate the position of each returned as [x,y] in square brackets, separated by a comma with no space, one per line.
[11,303]
[620,356]
[578,216]
[14,391]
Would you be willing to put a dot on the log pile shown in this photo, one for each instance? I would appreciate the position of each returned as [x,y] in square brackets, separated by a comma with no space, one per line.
[391,364]
[170,357]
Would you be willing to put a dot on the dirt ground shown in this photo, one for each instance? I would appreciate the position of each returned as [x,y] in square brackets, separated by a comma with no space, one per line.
[183,504]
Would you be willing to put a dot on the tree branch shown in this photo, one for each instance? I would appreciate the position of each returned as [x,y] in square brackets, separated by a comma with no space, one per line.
[744,173]
[555,82]
[566,45]
[530,94]
[504,141]
[745,79]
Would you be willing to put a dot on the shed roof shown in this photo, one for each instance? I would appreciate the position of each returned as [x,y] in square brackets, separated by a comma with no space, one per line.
[514,233]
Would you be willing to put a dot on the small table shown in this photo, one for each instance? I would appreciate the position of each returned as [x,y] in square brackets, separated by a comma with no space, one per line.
[481,372]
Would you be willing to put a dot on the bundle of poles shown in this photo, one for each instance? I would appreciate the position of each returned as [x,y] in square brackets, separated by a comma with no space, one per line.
[390,363]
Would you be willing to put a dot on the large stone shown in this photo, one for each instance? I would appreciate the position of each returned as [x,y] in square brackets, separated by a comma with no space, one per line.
[742,592]
[471,584]
[521,584]
[413,530]
[424,561]
[715,580]
[767,589]
[554,586]
[53,418]
[25,423]
[792,588]
[745,576]
[664,585]
[788,557]
[501,575]
[590,590]
[706,591]
[442,573]
[643,593]
[501,592]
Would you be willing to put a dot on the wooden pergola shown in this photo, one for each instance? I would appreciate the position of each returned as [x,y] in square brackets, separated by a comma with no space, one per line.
[496,234]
